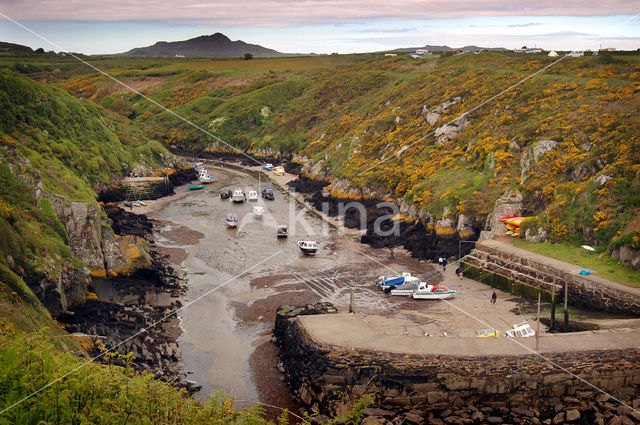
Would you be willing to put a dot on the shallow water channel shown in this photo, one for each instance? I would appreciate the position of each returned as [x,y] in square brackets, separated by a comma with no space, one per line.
[215,345]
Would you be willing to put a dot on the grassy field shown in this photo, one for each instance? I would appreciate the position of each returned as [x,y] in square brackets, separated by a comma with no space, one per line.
[599,263]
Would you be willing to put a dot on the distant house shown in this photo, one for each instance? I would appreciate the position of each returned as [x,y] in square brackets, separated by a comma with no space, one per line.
[391,54]
[553,53]
[423,52]
[608,49]
[528,51]
[179,55]
[415,55]
[576,53]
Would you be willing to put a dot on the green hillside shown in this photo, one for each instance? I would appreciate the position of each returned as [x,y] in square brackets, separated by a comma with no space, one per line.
[51,142]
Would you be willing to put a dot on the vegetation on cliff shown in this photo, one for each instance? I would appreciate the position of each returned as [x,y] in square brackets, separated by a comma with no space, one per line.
[50,142]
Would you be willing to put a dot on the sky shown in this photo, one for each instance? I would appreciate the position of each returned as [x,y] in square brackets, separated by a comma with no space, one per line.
[322,26]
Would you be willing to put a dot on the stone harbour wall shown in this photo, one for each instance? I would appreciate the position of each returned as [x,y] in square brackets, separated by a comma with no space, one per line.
[459,389]
[587,291]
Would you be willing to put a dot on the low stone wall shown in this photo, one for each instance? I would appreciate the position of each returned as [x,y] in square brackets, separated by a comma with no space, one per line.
[459,389]
[591,292]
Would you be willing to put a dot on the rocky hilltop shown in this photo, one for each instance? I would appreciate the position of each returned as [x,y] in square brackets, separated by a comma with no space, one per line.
[210,46]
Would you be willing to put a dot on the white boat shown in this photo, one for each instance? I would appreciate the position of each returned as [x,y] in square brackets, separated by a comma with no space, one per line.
[257,211]
[232,220]
[407,289]
[308,247]
[521,331]
[433,292]
[252,196]
[391,282]
[238,196]
[205,177]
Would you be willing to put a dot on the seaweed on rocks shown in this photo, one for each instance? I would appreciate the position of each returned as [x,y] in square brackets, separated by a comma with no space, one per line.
[127,223]
[414,235]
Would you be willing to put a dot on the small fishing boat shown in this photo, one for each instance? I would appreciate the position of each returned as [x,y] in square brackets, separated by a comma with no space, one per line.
[252,196]
[308,247]
[195,186]
[267,167]
[279,170]
[521,331]
[268,194]
[205,178]
[281,231]
[432,292]
[257,211]
[407,289]
[225,194]
[392,281]
[232,220]
[238,196]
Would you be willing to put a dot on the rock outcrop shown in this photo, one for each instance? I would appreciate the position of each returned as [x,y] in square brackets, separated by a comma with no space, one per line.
[509,204]
[533,154]
[94,242]
[628,256]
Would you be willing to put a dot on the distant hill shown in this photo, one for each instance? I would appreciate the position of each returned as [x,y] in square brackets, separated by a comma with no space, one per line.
[217,45]
[14,48]
[448,49]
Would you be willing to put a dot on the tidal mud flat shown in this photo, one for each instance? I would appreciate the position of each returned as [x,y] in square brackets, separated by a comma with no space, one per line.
[238,278]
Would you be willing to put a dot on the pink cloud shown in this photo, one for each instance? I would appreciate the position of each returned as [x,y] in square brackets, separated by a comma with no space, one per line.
[284,13]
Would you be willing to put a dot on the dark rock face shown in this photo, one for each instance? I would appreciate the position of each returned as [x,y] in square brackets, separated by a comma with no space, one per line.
[125,307]
[454,389]
[419,237]
[124,222]
[156,189]
[285,160]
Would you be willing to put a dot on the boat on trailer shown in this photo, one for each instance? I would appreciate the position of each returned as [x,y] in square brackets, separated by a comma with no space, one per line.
[433,292]
[308,247]
[391,282]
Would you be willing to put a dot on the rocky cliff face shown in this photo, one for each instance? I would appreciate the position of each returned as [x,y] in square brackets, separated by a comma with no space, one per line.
[628,256]
[93,241]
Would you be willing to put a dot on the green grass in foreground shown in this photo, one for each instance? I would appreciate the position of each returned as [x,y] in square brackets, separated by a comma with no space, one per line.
[600,263]
[107,394]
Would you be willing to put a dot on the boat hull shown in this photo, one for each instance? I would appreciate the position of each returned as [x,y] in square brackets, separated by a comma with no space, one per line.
[433,295]
[307,251]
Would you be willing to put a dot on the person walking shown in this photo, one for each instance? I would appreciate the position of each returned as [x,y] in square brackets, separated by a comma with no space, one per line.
[391,255]
[494,298]
[459,272]
[440,261]
[444,264]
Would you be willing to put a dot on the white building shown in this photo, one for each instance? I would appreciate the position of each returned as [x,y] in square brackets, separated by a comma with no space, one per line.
[391,54]
[553,53]
[576,53]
